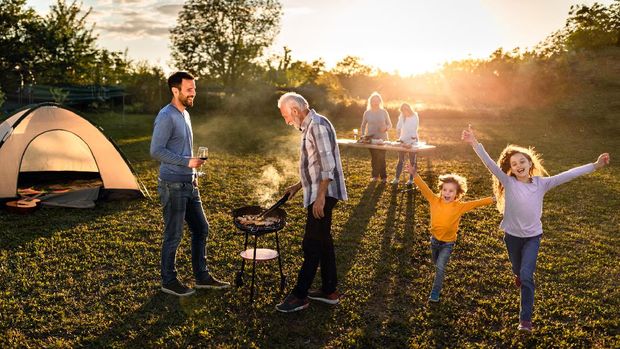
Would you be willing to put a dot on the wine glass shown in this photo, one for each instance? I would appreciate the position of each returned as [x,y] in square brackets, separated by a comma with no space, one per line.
[203,154]
[355,133]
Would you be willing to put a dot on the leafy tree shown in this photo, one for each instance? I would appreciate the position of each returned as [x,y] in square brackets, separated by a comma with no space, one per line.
[351,66]
[68,45]
[146,87]
[587,28]
[57,49]
[18,49]
[222,38]
[282,71]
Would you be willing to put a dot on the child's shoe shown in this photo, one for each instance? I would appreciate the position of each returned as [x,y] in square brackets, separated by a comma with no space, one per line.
[410,183]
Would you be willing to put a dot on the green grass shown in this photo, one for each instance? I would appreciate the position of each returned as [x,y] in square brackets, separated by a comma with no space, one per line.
[91,277]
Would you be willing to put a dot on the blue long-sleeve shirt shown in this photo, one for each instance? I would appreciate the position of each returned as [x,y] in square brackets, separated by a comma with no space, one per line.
[172,144]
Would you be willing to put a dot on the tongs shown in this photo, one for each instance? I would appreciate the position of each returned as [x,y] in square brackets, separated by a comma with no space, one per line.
[274,206]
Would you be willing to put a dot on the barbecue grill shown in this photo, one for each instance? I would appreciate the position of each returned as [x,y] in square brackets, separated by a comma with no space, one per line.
[256,231]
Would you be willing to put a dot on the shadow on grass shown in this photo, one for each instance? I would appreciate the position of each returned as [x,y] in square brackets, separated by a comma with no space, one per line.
[386,324]
[18,230]
[348,240]
[356,225]
[161,311]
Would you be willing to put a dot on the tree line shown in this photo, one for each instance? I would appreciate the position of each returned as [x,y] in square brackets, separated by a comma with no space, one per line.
[223,42]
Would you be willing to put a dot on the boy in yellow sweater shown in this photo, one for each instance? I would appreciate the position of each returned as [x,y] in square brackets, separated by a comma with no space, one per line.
[446,211]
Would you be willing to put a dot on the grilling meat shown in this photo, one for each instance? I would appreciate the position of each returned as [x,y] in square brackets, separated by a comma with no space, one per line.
[253,219]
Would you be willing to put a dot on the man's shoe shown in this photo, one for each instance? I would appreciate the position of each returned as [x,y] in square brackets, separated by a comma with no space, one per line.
[525,326]
[177,288]
[318,295]
[434,297]
[291,304]
[211,283]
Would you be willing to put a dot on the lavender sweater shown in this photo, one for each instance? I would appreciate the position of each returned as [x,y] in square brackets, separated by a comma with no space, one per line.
[524,201]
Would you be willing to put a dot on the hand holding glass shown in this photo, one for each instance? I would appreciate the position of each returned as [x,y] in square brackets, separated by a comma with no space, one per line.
[203,154]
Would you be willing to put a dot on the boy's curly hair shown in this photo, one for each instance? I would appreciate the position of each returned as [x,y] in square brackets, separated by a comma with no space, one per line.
[503,162]
[460,181]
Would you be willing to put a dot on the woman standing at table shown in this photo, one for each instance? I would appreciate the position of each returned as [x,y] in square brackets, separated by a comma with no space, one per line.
[378,122]
[407,127]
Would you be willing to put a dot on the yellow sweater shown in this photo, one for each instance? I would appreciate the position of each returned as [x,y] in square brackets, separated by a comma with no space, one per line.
[446,216]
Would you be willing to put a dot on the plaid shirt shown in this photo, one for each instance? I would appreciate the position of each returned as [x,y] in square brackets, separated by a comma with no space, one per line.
[320,159]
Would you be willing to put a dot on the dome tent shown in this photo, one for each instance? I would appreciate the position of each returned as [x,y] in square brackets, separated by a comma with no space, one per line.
[50,141]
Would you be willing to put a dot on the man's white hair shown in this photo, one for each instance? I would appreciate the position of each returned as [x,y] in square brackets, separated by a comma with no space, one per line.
[293,98]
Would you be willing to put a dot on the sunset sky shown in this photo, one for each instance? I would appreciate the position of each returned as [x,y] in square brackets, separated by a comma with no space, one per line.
[408,36]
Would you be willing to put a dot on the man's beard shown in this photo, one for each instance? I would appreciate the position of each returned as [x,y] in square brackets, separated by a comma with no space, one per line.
[186,101]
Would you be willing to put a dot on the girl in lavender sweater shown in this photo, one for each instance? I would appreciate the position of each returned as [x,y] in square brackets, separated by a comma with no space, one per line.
[519,186]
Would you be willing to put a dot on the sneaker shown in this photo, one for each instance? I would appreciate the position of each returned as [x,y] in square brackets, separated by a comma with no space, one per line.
[177,288]
[291,304]
[212,283]
[318,295]
[434,297]
[410,182]
[525,326]
[395,181]
[517,281]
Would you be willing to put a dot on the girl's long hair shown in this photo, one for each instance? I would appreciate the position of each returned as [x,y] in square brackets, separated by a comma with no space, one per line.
[503,162]
[405,110]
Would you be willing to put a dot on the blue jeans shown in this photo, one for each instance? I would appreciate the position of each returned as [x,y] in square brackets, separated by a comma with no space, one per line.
[441,255]
[181,201]
[401,163]
[523,253]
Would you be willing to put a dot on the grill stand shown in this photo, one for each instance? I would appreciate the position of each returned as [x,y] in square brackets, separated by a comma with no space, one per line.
[239,277]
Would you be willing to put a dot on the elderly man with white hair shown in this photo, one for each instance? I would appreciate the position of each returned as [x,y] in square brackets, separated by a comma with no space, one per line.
[322,181]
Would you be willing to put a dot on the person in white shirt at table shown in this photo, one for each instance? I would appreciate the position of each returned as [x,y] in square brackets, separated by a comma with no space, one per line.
[407,127]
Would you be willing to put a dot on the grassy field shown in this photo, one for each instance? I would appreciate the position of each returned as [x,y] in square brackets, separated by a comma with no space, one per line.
[91,277]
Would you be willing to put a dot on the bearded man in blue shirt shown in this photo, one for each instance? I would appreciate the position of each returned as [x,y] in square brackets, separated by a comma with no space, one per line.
[178,188]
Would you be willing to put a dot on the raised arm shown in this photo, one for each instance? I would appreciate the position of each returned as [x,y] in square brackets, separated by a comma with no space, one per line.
[469,137]
[566,176]
[470,205]
[424,189]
